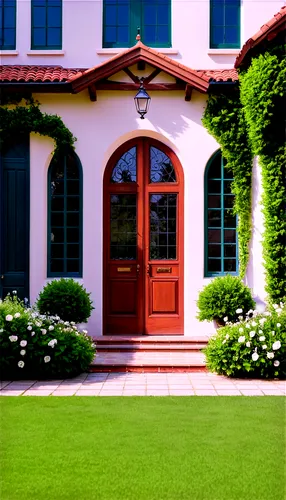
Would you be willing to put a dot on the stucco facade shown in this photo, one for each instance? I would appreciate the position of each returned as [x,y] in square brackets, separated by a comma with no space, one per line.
[102,126]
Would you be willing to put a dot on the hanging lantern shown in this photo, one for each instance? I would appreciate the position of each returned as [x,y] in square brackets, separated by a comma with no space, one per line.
[142,100]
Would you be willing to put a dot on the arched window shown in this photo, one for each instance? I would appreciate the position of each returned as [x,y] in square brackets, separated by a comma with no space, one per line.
[221,246]
[65,217]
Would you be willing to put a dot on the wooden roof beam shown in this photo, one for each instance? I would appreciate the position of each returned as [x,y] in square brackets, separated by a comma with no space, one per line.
[92,92]
[188,93]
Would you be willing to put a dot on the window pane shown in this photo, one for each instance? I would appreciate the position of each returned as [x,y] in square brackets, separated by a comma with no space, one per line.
[123,15]
[54,37]
[229,220]
[163,226]
[57,235]
[230,250]
[214,235]
[72,235]
[214,218]
[214,171]
[73,219]
[214,250]
[110,15]
[162,35]
[9,37]
[163,13]
[214,265]
[231,35]
[39,37]
[214,186]
[73,187]
[57,204]
[39,17]
[150,14]
[217,36]
[217,15]
[214,201]
[149,35]
[161,167]
[229,265]
[54,17]
[123,34]
[125,169]
[73,251]
[57,219]
[57,266]
[73,266]
[227,186]
[57,251]
[228,201]
[230,236]
[123,226]
[72,203]
[9,17]
[232,14]
[110,34]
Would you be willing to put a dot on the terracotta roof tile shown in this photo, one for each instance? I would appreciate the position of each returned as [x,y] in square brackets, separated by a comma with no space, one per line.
[38,74]
[268,31]
[219,75]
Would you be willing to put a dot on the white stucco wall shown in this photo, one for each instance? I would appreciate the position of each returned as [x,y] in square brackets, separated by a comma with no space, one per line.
[82,34]
[100,127]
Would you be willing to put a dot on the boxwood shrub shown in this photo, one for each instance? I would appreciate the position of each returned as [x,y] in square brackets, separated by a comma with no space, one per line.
[33,345]
[222,298]
[67,299]
[254,347]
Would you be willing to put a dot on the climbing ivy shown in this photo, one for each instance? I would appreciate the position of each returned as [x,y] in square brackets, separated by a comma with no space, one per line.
[263,98]
[18,118]
[224,119]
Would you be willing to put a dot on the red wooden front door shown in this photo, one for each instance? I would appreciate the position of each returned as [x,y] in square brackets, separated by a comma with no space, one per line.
[143,240]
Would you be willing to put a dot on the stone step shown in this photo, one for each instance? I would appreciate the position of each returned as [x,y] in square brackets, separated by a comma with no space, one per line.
[185,347]
[148,362]
[150,339]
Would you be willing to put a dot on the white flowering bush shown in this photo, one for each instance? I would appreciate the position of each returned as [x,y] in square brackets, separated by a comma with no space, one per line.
[223,299]
[254,347]
[39,346]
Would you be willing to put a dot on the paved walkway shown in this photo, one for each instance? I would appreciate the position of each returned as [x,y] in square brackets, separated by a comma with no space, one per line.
[145,384]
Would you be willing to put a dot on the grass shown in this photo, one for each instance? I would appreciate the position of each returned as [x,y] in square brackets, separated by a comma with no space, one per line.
[148,448]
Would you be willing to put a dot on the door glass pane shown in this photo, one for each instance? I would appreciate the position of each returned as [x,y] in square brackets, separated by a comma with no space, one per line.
[123,226]
[161,167]
[163,226]
[125,169]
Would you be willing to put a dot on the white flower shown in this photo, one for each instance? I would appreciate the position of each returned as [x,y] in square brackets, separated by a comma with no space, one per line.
[224,341]
[13,338]
[275,306]
[85,331]
[21,364]
[253,323]
[240,330]
[225,319]
[247,325]
[47,359]
[267,313]
[255,356]
[17,315]
[270,355]
[9,317]
[260,331]
[273,333]
[264,346]
[38,323]
[29,328]
[241,339]
[240,318]
[72,323]
[1,330]
[247,344]
[52,343]
[14,292]
[23,352]
[44,331]
[32,334]
[238,311]
[276,362]
[262,338]
[276,345]
[23,343]
[252,333]
[262,321]
[227,336]
[250,311]
[51,327]
[278,325]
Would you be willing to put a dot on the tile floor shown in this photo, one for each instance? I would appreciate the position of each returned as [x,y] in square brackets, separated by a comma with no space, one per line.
[145,384]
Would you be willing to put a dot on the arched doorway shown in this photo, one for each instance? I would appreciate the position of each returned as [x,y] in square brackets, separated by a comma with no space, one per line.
[143,232]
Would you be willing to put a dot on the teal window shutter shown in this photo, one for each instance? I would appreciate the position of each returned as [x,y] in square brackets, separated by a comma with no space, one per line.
[224,24]
[46,24]
[7,24]
[121,18]
[65,217]
[221,243]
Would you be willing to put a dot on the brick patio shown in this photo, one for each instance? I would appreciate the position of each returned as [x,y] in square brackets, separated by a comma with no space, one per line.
[145,384]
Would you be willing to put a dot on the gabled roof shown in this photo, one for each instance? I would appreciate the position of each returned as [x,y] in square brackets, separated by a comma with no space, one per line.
[134,55]
[267,32]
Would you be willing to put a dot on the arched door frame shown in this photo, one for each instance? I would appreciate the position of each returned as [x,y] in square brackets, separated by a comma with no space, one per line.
[144,142]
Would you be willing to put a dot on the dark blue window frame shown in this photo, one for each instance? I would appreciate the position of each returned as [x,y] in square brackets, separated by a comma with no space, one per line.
[121,18]
[46,25]
[64,228]
[7,24]
[221,240]
[224,24]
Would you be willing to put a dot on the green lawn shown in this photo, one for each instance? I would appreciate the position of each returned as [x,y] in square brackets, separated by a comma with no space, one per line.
[142,448]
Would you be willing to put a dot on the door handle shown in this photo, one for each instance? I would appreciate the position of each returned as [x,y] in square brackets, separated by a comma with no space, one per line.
[138,268]
[2,276]
[148,270]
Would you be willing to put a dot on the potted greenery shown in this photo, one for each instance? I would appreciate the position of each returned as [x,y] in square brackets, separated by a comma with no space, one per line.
[224,299]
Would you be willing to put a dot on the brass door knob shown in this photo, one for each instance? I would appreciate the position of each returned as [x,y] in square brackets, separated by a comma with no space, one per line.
[2,276]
